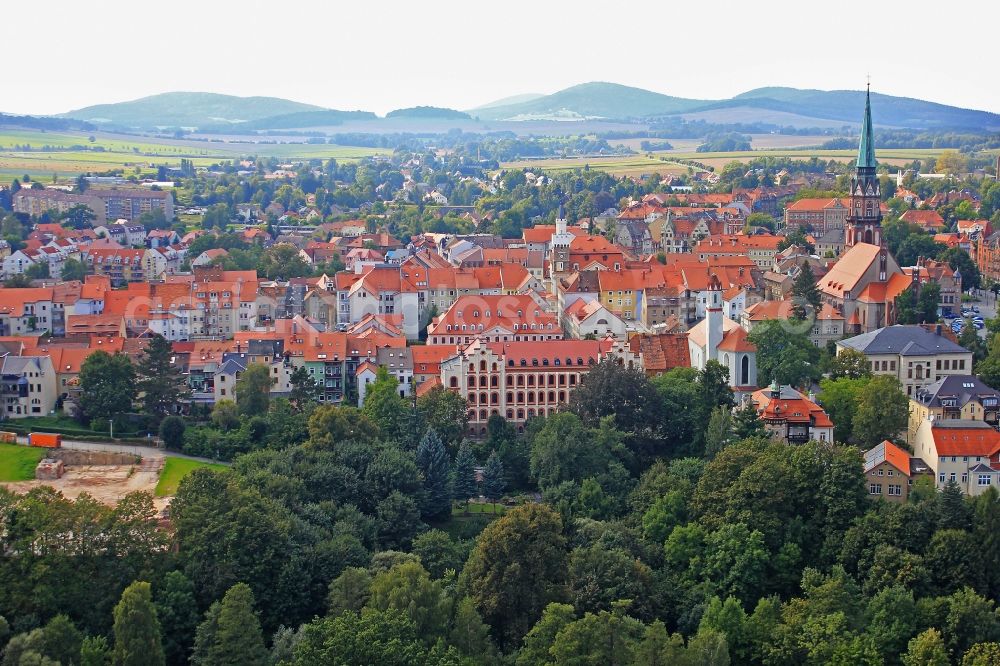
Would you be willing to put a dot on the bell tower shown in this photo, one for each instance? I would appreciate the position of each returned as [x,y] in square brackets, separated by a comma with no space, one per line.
[864,221]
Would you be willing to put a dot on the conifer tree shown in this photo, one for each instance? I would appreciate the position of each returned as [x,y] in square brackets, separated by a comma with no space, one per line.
[161,384]
[432,460]
[137,629]
[465,485]
[177,611]
[231,633]
[747,423]
[494,482]
[805,292]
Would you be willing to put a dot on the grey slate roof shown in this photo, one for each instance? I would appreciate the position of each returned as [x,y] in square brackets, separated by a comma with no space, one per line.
[964,387]
[903,340]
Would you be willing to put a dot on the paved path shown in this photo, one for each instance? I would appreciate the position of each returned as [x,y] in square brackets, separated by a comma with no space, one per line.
[135,449]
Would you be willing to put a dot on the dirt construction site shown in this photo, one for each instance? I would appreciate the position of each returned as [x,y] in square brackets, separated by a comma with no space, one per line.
[105,476]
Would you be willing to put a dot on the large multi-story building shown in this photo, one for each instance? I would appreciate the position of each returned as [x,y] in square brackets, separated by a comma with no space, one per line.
[107,205]
[521,380]
[966,452]
[914,355]
[954,397]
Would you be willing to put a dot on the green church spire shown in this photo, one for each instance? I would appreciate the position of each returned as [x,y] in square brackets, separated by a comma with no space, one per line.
[866,149]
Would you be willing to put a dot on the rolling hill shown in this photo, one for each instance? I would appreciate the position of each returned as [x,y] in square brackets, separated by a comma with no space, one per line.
[429,112]
[591,100]
[804,108]
[188,109]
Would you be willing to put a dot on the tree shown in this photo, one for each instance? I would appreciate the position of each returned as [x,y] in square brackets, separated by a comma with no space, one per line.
[73,269]
[61,640]
[432,460]
[603,638]
[951,162]
[882,413]
[658,649]
[439,553]
[107,384]
[177,611]
[713,383]
[225,415]
[237,637]
[805,292]
[517,568]
[161,383]
[564,449]
[719,432]
[982,654]
[349,592]
[494,482]
[851,364]
[94,651]
[959,260]
[539,640]
[386,638]
[253,390]
[38,271]
[137,629]
[465,484]
[408,588]
[172,432]
[446,412]
[384,406]
[469,634]
[840,399]
[784,355]
[746,422]
[304,389]
[79,216]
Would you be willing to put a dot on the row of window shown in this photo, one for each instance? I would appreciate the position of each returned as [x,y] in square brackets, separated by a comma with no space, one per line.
[981,479]
[893,490]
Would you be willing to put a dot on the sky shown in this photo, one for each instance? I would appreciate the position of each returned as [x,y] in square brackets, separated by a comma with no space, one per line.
[379,55]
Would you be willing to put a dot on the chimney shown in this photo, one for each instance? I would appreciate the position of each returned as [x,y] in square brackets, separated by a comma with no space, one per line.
[937,329]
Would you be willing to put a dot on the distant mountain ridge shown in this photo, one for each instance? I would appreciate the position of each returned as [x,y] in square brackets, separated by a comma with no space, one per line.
[614,101]
[189,109]
[588,101]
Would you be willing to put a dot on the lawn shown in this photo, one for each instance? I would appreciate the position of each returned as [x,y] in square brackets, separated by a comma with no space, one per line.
[476,508]
[17,463]
[175,469]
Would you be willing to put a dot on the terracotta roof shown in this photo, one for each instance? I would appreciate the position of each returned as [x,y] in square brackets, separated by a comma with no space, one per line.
[735,340]
[661,352]
[849,269]
[924,218]
[964,438]
[790,406]
[890,453]
[542,233]
[481,313]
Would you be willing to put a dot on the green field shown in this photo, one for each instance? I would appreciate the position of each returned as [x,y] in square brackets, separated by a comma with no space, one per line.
[175,469]
[633,165]
[72,153]
[17,463]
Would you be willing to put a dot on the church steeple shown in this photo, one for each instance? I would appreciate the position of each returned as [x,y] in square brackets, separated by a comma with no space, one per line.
[866,149]
[864,221]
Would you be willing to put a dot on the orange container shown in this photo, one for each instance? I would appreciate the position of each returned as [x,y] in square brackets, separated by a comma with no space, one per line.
[45,439]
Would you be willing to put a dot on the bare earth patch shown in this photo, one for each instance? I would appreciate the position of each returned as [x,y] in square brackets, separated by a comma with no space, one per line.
[106,483]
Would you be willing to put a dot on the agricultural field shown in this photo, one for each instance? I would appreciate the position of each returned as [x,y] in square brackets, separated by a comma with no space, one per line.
[624,165]
[174,470]
[73,153]
[17,463]
[758,142]
[635,165]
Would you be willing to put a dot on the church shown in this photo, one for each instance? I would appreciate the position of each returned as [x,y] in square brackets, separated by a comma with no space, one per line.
[865,281]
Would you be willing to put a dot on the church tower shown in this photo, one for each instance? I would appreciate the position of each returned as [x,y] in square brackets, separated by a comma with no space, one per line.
[559,249]
[864,221]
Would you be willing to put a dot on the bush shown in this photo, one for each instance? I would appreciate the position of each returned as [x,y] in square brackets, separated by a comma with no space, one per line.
[172,432]
[100,425]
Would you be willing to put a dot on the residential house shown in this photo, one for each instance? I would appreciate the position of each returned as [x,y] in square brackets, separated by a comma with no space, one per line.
[890,472]
[966,452]
[963,397]
[792,417]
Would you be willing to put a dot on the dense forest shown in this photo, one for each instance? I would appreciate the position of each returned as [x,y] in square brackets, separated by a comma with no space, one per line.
[635,527]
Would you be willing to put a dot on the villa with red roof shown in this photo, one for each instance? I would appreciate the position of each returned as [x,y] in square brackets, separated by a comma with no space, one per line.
[792,417]
[964,451]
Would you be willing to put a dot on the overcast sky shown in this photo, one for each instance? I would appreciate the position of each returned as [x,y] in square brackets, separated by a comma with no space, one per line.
[378,55]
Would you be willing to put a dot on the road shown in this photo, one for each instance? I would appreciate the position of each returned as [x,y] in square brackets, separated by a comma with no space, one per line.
[987,305]
[134,449]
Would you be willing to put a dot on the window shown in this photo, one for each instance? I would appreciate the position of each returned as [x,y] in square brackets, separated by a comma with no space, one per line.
[874,489]
[880,472]
[984,479]
[941,477]
[895,490]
